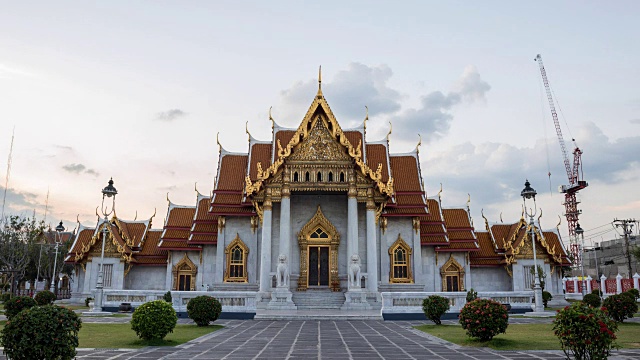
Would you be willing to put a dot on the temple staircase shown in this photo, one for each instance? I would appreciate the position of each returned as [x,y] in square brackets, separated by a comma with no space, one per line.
[313,299]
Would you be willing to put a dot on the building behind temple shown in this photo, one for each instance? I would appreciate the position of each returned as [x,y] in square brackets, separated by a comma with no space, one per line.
[331,201]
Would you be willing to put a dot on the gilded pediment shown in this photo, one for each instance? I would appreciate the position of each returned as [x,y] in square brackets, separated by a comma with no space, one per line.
[319,146]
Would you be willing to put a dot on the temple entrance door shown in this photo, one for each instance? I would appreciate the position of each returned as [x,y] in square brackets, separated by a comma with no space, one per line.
[318,265]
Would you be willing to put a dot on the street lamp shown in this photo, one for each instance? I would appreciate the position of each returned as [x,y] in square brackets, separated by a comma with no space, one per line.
[528,193]
[580,232]
[109,191]
[58,240]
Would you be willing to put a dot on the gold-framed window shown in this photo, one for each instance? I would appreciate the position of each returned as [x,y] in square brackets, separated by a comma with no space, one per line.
[184,274]
[400,262]
[452,274]
[236,254]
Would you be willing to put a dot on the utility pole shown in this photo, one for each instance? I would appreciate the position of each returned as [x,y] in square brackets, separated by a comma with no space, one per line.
[627,226]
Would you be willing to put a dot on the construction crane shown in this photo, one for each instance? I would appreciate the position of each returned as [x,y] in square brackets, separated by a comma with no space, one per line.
[574,174]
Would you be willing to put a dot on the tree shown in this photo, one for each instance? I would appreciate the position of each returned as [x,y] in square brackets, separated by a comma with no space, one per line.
[541,275]
[18,238]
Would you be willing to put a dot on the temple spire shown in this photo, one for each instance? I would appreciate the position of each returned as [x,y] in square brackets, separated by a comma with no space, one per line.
[319,81]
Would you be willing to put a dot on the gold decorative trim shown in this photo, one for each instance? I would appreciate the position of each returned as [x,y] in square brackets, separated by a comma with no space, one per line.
[416,225]
[302,133]
[304,241]
[221,223]
[452,268]
[187,267]
[400,244]
[237,242]
[254,224]
[518,251]
[383,225]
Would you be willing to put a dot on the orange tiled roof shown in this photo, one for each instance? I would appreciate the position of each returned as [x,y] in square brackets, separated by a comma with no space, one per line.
[405,173]
[205,226]
[177,228]
[151,254]
[377,154]
[260,153]
[232,172]
[459,230]
[355,138]
[487,256]
[82,238]
[284,136]
[432,229]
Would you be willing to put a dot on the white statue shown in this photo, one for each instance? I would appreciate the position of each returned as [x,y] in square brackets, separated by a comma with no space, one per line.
[282,272]
[354,272]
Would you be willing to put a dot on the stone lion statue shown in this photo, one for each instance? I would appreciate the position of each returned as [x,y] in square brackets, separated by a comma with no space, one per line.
[282,271]
[354,272]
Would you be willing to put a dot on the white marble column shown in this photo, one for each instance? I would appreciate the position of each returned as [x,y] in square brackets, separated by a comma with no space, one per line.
[285,224]
[418,277]
[265,248]
[352,223]
[219,274]
[372,253]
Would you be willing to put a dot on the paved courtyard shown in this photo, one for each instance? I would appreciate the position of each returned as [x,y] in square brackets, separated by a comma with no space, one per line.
[323,340]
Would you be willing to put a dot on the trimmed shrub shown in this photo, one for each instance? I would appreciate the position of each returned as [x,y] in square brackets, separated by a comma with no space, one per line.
[471,295]
[41,332]
[546,296]
[5,297]
[585,332]
[87,300]
[204,309]
[592,300]
[45,297]
[620,306]
[484,318]
[434,307]
[597,292]
[154,320]
[635,293]
[167,297]
[16,304]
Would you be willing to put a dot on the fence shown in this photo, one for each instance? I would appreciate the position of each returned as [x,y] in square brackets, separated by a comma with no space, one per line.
[411,302]
[573,286]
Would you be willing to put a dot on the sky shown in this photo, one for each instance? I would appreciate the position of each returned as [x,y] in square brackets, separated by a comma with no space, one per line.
[138,91]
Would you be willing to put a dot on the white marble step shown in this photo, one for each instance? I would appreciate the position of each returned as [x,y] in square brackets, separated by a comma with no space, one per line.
[316,314]
[318,299]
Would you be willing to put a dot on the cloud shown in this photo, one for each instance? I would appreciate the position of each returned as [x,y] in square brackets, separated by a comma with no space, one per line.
[348,93]
[74,168]
[433,118]
[635,121]
[17,201]
[170,115]
[78,169]
[494,172]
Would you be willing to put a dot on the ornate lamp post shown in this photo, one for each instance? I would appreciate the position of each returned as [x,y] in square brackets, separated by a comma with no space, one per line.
[528,193]
[108,192]
[58,240]
[580,232]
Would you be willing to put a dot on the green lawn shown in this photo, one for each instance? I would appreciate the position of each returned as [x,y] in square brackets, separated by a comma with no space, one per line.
[526,336]
[120,336]
[95,335]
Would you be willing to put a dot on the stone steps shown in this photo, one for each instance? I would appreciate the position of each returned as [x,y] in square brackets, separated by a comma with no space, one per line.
[318,299]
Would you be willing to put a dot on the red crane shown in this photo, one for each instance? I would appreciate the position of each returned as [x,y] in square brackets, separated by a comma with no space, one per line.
[574,174]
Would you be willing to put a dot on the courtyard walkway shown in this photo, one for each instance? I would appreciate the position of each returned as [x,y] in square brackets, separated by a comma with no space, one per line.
[326,339]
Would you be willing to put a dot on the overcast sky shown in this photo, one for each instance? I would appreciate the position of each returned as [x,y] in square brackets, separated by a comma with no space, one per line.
[138,91]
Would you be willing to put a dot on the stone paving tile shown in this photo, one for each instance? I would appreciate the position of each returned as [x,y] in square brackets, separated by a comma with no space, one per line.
[326,340]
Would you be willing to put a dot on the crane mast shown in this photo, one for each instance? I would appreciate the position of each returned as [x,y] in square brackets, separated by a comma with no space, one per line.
[574,174]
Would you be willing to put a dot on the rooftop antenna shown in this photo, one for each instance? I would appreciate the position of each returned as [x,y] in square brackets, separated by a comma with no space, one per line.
[6,181]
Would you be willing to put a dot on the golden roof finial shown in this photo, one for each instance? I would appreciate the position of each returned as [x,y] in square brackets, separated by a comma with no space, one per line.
[468,200]
[246,129]
[390,130]
[540,217]
[195,187]
[155,211]
[419,142]
[440,192]
[273,122]
[217,142]
[319,95]
[135,217]
[169,201]
[97,213]
[78,218]
[559,222]
[501,217]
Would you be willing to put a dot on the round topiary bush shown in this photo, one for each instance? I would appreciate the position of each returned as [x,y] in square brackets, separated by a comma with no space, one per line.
[41,332]
[13,306]
[204,309]
[592,300]
[154,320]
[635,293]
[45,297]
[434,307]
[585,332]
[546,296]
[471,295]
[484,318]
[620,307]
